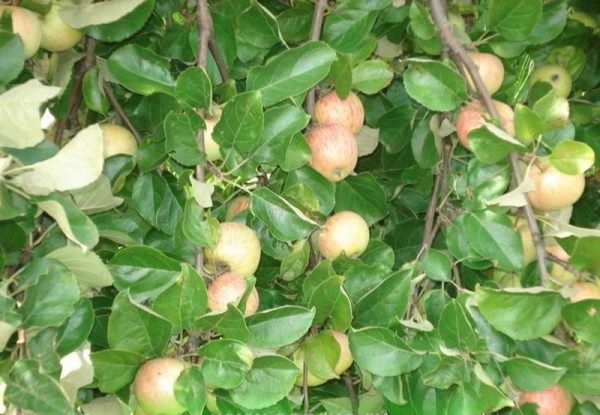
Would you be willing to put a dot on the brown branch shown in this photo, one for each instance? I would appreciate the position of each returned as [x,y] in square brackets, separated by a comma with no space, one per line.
[305,389]
[351,393]
[221,64]
[110,95]
[76,95]
[315,34]
[460,55]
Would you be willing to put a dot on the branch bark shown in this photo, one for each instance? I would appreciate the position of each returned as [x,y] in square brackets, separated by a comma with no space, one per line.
[315,34]
[119,109]
[461,57]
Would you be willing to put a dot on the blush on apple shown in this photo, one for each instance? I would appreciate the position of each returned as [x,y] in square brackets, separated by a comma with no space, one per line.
[334,151]
[154,384]
[490,69]
[27,25]
[237,250]
[229,288]
[345,232]
[349,112]
[554,400]
[237,205]
[474,114]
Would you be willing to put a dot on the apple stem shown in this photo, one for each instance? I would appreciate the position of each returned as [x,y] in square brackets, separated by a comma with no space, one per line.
[460,56]
[315,34]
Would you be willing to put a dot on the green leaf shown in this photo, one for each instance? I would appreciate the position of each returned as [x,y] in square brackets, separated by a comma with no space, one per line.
[583,318]
[423,143]
[586,255]
[323,189]
[371,76]
[572,157]
[241,124]
[421,22]
[528,125]
[96,197]
[93,92]
[231,323]
[12,57]
[435,85]
[455,328]
[225,363]
[184,301]
[347,29]
[437,265]
[50,301]
[514,19]
[115,369]
[98,13]
[75,330]
[341,75]
[532,375]
[30,389]
[279,326]
[270,380]
[180,142]
[504,310]
[88,268]
[490,144]
[203,233]
[285,221]
[141,70]
[370,402]
[292,72]
[381,352]
[194,88]
[298,153]
[551,24]
[385,303]
[493,236]
[135,328]
[190,390]
[329,299]
[144,271]
[295,263]
[362,194]
[10,319]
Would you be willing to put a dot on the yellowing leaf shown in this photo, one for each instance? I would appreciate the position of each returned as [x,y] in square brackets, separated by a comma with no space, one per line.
[20,113]
[202,192]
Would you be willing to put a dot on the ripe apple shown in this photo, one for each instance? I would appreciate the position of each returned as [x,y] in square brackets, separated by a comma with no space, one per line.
[154,384]
[229,288]
[27,25]
[554,400]
[118,140]
[554,74]
[344,232]
[474,114]
[237,205]
[334,151]
[559,274]
[344,361]
[553,189]
[490,68]
[349,112]
[238,250]
[584,290]
[57,36]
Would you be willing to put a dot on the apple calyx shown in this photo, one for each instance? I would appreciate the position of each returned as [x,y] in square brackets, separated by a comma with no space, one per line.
[237,250]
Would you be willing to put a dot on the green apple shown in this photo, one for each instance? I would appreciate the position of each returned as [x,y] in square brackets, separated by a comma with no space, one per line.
[57,36]
[555,75]
[585,19]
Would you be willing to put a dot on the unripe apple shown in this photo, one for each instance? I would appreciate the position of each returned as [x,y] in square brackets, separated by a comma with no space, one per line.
[118,140]
[334,151]
[237,205]
[349,112]
[57,36]
[555,75]
[579,291]
[211,147]
[238,250]
[345,232]
[229,288]
[554,400]
[559,274]
[474,114]
[585,19]
[554,189]
[522,227]
[490,69]
[27,25]
[154,384]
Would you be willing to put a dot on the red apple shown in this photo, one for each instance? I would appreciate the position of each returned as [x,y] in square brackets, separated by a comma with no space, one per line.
[334,151]
[27,25]
[554,400]
[229,288]
[238,250]
[473,115]
[554,189]
[349,112]
[154,384]
[490,69]
[345,233]
[237,205]
[57,36]
[118,140]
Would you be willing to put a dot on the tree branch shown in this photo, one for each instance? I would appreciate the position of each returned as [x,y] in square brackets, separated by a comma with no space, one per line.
[315,34]
[110,94]
[221,64]
[460,55]
[351,392]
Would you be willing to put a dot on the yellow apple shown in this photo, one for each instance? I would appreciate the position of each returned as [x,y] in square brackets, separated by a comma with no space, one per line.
[57,36]
[490,69]
[553,189]
[118,140]
[237,250]
[345,232]
[27,25]
[154,384]
[229,288]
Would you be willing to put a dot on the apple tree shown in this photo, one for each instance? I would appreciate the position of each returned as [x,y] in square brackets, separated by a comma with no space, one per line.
[300,206]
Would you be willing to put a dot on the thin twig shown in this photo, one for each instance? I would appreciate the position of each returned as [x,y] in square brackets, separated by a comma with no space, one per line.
[88,61]
[461,56]
[351,393]
[221,64]
[305,389]
[110,95]
[315,34]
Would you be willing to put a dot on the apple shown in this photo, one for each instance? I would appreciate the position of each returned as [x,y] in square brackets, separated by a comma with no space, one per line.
[554,74]
[553,189]
[57,36]
[345,232]
[27,25]
[579,291]
[349,112]
[585,19]
[490,69]
[229,288]
[554,400]
[559,273]
[211,147]
[522,227]
[343,363]
[154,384]
[474,114]
[334,151]
[237,205]
[118,140]
[237,250]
